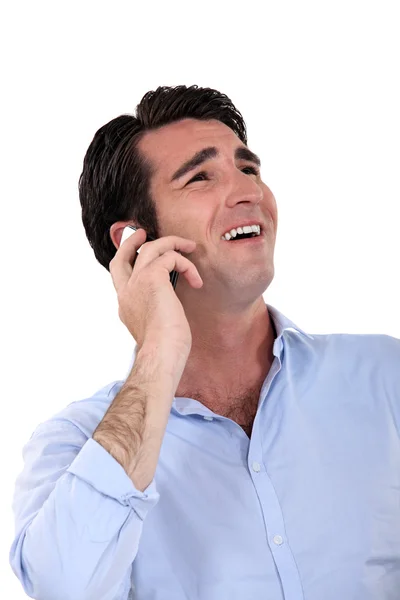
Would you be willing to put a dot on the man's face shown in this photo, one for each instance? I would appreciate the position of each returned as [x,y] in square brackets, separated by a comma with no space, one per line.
[202,204]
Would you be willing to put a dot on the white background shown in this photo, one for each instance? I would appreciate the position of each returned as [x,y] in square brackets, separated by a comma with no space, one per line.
[318,85]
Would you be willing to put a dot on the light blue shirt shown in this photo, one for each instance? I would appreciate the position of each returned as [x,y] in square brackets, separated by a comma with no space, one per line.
[307,509]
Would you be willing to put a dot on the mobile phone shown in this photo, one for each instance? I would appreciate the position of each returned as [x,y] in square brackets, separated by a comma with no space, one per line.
[173,276]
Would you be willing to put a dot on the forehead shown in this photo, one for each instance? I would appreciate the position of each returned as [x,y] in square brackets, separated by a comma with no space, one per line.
[170,145]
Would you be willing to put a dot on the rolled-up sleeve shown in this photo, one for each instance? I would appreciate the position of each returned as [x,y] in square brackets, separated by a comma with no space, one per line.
[78,518]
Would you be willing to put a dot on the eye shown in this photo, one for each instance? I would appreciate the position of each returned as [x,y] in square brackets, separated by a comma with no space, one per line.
[201,174]
[253,171]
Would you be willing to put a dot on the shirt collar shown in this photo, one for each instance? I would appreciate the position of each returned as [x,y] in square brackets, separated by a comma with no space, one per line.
[281,324]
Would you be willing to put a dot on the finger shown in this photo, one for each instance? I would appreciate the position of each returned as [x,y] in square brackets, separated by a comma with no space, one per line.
[156,248]
[127,256]
[121,265]
[128,247]
[173,261]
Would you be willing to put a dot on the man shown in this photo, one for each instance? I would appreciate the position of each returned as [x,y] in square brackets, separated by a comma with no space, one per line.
[241,457]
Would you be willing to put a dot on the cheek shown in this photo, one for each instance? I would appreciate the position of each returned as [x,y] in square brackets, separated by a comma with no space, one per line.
[269,197]
[270,204]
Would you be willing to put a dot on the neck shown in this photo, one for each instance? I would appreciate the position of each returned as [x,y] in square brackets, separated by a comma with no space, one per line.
[232,349]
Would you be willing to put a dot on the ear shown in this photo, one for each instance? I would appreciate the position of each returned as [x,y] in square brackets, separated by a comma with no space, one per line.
[116,231]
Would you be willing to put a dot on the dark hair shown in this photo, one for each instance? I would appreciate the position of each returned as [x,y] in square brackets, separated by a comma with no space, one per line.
[115,180]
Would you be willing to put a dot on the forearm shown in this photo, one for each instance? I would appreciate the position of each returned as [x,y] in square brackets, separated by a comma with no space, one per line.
[133,428]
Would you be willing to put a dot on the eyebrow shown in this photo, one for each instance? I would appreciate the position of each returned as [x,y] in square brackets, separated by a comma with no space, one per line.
[206,153]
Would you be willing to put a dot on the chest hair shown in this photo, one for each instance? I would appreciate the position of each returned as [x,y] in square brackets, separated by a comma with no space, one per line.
[239,406]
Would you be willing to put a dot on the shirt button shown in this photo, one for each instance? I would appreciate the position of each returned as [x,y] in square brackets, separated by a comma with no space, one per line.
[209,418]
[256,467]
[278,540]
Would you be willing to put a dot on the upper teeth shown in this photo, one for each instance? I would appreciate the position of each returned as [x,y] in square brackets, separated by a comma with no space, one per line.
[246,229]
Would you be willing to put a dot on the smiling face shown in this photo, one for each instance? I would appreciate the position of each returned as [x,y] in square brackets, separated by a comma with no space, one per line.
[203,201]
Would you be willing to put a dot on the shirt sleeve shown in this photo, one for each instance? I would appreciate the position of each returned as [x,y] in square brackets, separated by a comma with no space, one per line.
[78,518]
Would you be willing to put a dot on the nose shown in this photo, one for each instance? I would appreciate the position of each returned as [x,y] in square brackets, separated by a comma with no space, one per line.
[243,188]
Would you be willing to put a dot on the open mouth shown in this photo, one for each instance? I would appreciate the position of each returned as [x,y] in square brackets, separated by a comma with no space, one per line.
[242,233]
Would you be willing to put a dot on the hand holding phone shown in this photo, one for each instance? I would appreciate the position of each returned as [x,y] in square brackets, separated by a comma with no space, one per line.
[128,231]
[148,304]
